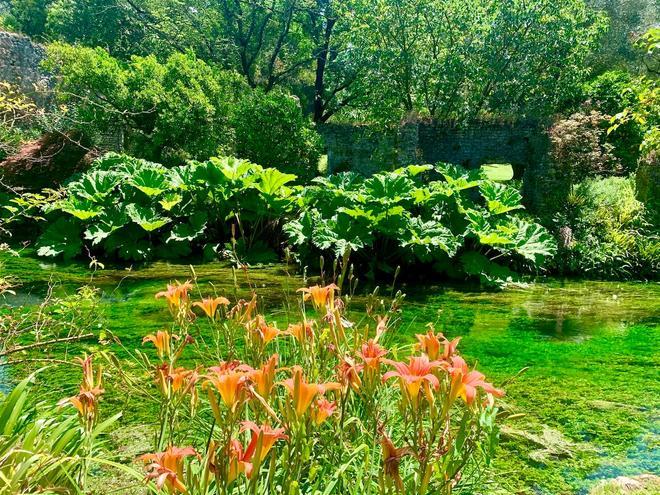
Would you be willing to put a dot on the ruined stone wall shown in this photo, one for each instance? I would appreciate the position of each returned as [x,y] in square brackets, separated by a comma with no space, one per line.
[19,65]
[366,150]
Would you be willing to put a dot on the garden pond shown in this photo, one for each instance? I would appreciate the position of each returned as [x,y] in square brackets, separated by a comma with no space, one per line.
[580,360]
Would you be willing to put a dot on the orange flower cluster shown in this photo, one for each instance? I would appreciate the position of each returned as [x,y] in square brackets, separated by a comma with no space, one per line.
[430,384]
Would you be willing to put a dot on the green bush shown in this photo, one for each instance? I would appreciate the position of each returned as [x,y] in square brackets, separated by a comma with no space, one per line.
[135,210]
[459,223]
[610,93]
[272,130]
[612,233]
[168,112]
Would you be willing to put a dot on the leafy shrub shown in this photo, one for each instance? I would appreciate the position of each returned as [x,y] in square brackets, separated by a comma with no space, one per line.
[272,130]
[170,111]
[579,148]
[459,224]
[136,209]
[41,451]
[17,116]
[610,93]
[612,235]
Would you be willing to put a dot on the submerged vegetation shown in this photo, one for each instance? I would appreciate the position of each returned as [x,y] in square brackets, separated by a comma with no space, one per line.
[303,153]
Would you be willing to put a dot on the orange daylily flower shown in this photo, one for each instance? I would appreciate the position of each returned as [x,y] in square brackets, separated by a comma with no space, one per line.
[239,461]
[449,349]
[301,331]
[322,297]
[372,354]
[167,468]
[391,459]
[429,343]
[210,305]
[264,377]
[175,380]
[268,437]
[162,340]
[231,381]
[303,393]
[86,402]
[243,310]
[418,371]
[349,373]
[436,346]
[322,410]
[464,382]
[266,333]
[176,293]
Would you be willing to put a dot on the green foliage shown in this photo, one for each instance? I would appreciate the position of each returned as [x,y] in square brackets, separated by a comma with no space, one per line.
[170,111]
[461,59]
[138,209]
[27,16]
[272,130]
[17,119]
[41,451]
[111,24]
[397,218]
[612,233]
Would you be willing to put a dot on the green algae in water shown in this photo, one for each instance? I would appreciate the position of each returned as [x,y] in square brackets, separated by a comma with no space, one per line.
[590,351]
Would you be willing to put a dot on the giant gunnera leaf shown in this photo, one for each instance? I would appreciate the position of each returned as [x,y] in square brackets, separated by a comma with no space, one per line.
[95,186]
[61,238]
[533,242]
[500,198]
[146,217]
[82,209]
[152,181]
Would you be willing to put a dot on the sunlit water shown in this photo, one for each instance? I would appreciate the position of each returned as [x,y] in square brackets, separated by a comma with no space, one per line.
[589,351]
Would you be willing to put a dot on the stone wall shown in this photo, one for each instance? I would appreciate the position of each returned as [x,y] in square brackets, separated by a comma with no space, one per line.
[19,65]
[365,150]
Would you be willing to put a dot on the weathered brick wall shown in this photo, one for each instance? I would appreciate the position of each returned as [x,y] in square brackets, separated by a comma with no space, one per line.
[365,150]
[19,65]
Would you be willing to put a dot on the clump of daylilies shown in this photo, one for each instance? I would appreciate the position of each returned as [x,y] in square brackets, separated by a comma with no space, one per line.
[319,405]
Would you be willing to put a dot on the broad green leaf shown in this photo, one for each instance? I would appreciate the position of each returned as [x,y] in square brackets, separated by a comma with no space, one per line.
[151,181]
[500,198]
[170,200]
[61,238]
[189,231]
[533,242]
[413,170]
[105,225]
[271,181]
[426,238]
[145,217]
[500,172]
[95,186]
[81,209]
[129,243]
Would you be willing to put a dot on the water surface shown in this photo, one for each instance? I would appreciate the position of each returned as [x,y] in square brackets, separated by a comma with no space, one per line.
[590,386]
